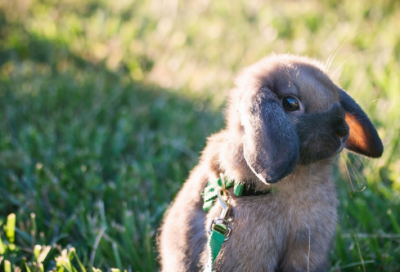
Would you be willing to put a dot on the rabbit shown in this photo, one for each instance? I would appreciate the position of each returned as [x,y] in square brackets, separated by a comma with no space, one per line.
[285,123]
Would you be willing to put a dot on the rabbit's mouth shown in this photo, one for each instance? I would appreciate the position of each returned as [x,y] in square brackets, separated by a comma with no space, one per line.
[315,150]
[342,145]
[322,135]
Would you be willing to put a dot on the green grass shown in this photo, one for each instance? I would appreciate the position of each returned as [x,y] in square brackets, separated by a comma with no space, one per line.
[105,106]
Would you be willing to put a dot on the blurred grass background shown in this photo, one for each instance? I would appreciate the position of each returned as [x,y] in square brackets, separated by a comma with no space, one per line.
[105,106]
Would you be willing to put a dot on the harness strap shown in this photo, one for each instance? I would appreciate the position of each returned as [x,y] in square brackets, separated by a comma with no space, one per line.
[220,228]
[210,192]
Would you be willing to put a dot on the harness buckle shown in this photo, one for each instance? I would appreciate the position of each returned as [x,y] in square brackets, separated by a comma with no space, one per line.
[222,224]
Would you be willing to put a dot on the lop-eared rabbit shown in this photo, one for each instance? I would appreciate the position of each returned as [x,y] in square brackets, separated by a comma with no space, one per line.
[286,120]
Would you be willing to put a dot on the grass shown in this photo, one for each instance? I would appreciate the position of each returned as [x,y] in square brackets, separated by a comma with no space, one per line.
[105,106]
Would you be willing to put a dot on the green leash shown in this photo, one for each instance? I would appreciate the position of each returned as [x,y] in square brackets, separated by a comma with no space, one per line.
[219,228]
[214,246]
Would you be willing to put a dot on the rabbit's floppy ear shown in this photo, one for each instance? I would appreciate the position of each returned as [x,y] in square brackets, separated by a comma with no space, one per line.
[271,144]
[363,138]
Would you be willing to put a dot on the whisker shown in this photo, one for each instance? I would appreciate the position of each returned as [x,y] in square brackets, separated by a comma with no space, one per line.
[333,55]
[309,249]
[353,55]
[343,160]
[359,177]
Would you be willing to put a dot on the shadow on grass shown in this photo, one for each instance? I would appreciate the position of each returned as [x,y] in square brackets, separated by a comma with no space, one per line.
[89,158]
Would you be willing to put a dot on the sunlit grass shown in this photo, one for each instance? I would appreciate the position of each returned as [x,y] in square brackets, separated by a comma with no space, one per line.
[105,106]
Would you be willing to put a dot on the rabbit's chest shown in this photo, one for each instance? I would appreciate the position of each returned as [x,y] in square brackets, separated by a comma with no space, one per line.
[286,211]
[267,228]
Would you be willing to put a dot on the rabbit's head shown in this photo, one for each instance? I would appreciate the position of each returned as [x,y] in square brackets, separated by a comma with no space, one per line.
[288,112]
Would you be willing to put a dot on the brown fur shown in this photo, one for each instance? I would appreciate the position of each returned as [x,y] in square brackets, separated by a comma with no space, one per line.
[290,229]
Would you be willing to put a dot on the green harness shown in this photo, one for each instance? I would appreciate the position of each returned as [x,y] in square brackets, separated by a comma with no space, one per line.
[219,228]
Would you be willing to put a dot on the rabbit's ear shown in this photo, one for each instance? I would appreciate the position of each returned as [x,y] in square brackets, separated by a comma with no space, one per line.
[271,144]
[363,138]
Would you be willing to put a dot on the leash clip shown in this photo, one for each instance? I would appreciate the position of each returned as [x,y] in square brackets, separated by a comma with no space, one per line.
[223,223]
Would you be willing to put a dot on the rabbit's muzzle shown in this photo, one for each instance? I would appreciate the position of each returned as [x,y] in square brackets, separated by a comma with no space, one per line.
[322,135]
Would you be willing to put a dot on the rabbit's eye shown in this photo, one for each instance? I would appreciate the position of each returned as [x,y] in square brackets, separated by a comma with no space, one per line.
[290,103]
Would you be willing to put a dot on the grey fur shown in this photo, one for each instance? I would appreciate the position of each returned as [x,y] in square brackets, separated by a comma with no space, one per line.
[291,229]
[269,157]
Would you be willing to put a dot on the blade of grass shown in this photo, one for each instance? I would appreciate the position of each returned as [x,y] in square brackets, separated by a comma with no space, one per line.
[116,255]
